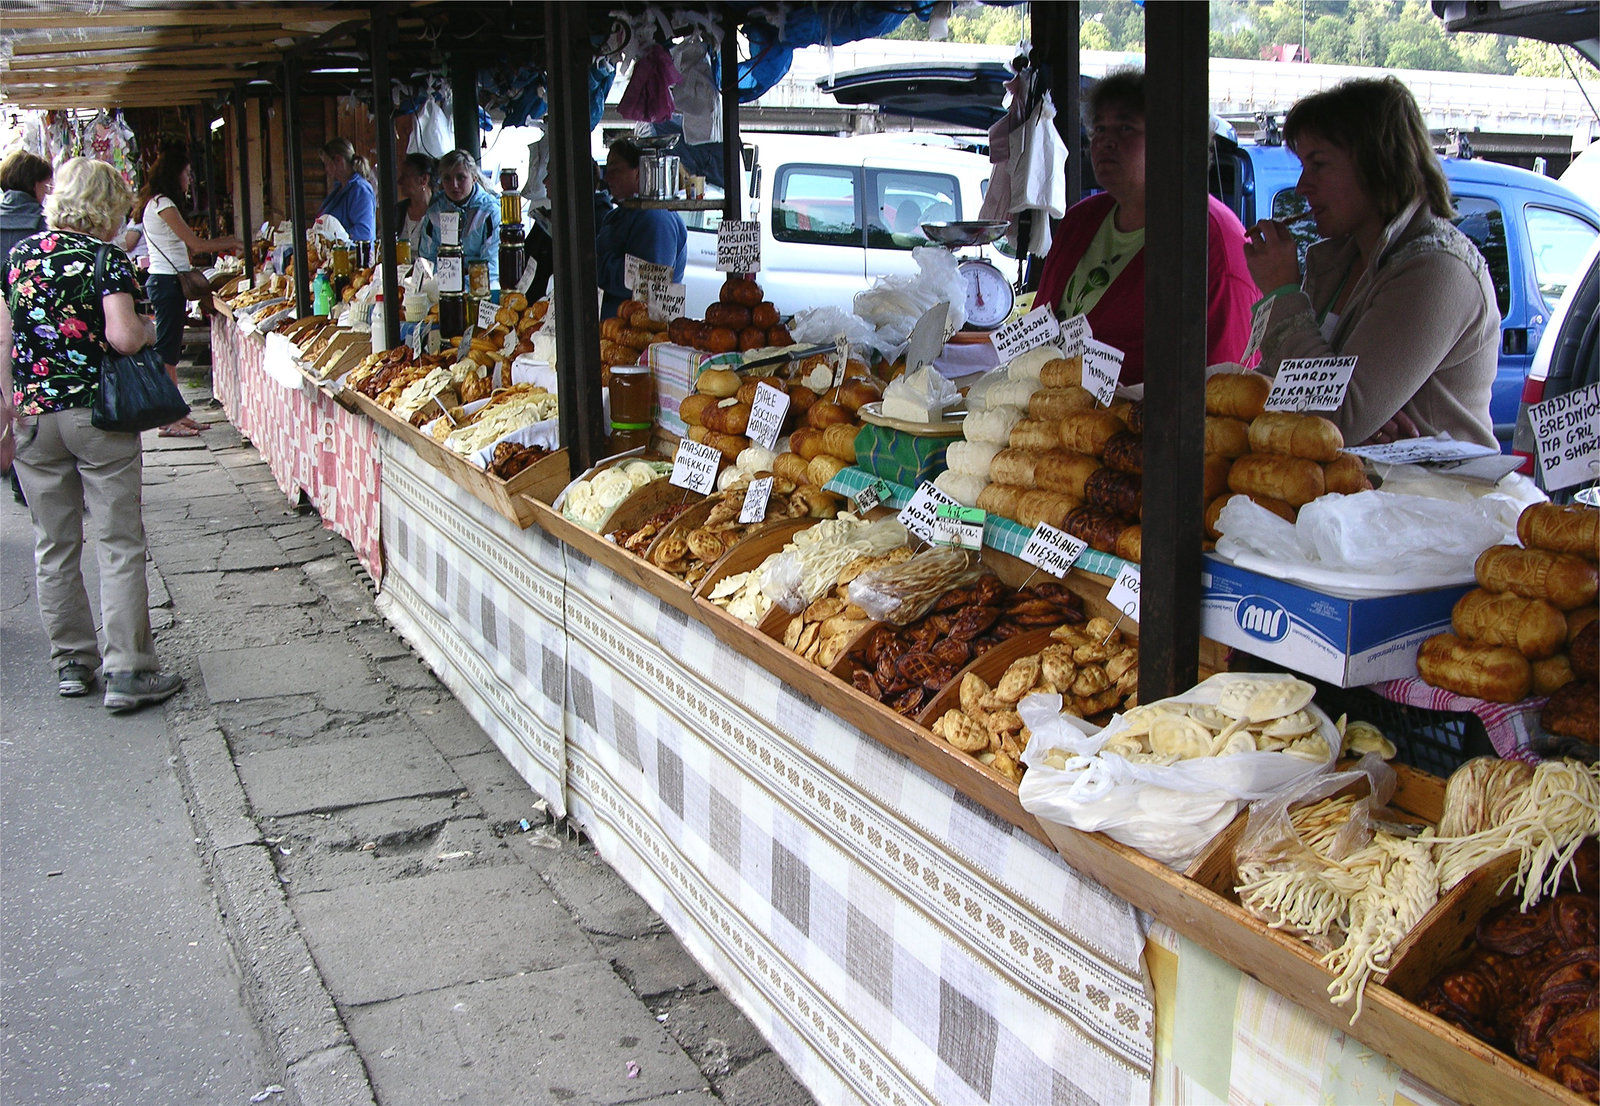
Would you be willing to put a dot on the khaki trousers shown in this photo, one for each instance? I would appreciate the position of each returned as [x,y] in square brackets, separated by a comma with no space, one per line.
[64,463]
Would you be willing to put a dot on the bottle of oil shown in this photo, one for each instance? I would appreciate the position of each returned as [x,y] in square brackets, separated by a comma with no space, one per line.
[511,232]
[339,272]
[452,277]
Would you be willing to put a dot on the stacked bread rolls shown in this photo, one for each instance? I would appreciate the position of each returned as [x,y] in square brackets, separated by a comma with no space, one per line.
[1279,459]
[625,336]
[1513,635]
[740,320]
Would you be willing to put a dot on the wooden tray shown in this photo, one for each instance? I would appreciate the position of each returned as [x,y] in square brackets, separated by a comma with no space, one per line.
[511,499]
[679,526]
[643,502]
[991,666]
[763,541]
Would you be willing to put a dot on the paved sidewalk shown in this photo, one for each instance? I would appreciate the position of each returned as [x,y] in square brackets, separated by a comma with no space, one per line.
[411,926]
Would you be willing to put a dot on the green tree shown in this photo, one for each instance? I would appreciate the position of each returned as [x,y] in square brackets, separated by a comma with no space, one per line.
[1530,58]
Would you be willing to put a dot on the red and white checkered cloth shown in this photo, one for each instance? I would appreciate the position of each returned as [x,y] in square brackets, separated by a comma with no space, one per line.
[1511,726]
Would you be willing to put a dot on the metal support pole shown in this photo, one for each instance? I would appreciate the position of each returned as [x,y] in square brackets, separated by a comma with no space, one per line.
[241,203]
[464,103]
[732,146]
[209,164]
[388,224]
[577,307]
[1177,137]
[1067,72]
[297,194]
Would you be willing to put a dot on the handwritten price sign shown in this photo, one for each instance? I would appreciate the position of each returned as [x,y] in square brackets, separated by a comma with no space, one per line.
[1124,594]
[1053,550]
[1311,384]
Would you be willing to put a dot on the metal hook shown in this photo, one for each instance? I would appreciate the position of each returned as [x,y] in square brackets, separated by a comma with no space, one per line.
[1125,612]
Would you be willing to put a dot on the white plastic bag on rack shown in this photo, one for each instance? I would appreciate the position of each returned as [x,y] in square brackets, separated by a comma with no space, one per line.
[1167,812]
[1371,540]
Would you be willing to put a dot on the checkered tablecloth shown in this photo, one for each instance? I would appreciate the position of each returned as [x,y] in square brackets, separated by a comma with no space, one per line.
[894,941]
[1512,727]
[481,601]
[1223,1037]
[309,442]
[999,533]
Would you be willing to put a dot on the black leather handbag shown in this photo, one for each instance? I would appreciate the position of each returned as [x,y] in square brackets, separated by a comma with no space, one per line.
[134,393]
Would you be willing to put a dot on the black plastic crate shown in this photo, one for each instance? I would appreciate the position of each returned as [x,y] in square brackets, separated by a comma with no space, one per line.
[1436,741]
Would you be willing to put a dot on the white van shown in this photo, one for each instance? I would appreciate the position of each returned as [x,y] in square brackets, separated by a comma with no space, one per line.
[836,213]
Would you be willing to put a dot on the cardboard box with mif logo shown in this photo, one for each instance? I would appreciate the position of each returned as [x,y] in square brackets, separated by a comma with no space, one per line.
[1345,640]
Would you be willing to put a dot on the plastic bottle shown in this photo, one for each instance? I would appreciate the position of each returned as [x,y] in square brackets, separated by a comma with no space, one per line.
[321,293]
[380,337]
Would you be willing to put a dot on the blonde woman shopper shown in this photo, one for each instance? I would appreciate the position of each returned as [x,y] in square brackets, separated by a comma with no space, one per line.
[61,312]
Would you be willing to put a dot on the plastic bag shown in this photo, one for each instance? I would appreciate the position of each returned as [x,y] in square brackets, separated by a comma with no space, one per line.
[1270,837]
[901,594]
[696,95]
[434,134]
[648,97]
[893,304]
[809,565]
[824,324]
[1168,812]
[1374,534]
[926,388]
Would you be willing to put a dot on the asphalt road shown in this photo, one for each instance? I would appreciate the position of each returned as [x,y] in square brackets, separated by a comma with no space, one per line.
[117,984]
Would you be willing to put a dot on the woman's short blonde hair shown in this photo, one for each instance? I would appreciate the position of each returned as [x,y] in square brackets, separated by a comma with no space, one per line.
[90,197]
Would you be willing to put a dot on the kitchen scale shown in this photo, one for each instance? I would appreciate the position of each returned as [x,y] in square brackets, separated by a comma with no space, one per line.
[990,296]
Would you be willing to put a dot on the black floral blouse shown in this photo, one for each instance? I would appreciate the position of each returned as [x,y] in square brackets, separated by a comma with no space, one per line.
[57,318]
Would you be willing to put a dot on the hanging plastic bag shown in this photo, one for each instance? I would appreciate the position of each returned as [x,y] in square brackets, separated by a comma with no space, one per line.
[696,95]
[536,190]
[648,98]
[433,135]
[1079,777]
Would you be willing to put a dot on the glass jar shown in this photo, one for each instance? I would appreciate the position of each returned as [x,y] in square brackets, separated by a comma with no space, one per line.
[478,279]
[402,251]
[633,396]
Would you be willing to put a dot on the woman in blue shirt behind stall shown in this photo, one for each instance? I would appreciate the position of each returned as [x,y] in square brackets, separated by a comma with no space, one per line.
[460,192]
[350,196]
[650,234]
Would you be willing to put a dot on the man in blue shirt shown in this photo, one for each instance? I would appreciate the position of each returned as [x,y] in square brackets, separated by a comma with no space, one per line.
[460,192]
[653,234]
[350,196]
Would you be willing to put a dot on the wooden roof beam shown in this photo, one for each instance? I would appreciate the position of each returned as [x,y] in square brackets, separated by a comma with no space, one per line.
[161,38]
[147,58]
[305,18]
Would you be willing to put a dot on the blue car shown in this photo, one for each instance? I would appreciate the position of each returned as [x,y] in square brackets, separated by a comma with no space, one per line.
[1533,232]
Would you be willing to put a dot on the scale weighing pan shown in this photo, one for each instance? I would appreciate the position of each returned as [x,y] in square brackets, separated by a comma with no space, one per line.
[972,232]
[653,143]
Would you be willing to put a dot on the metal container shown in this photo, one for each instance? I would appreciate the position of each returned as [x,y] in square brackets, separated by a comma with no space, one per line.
[658,175]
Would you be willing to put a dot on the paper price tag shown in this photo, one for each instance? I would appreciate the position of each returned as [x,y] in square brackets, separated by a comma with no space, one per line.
[1037,328]
[1258,330]
[450,228]
[870,496]
[739,246]
[1418,451]
[486,310]
[695,467]
[450,275]
[1055,551]
[666,304]
[630,271]
[1102,368]
[652,279]
[919,516]
[841,359]
[1124,594]
[958,526]
[1075,334]
[415,339]
[1566,434]
[526,280]
[766,415]
[754,508]
[1311,384]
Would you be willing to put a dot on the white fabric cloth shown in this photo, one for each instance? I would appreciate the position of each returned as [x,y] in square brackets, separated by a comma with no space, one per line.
[168,254]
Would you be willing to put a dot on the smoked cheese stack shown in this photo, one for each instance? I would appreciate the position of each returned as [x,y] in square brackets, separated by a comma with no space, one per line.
[1279,459]
[1529,626]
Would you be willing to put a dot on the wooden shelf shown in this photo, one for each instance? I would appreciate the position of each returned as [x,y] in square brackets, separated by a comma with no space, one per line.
[673,205]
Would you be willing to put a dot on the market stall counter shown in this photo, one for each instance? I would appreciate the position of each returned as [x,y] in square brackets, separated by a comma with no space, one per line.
[312,444]
[882,905]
